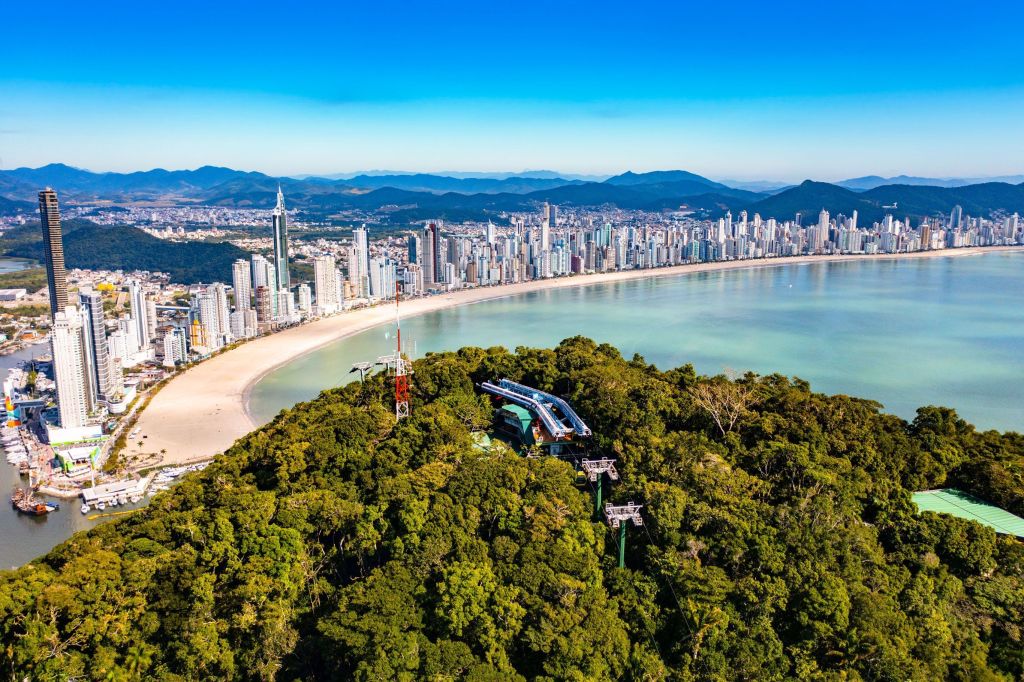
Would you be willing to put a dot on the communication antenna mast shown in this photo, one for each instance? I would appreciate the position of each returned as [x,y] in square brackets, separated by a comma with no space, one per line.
[401,369]
[617,516]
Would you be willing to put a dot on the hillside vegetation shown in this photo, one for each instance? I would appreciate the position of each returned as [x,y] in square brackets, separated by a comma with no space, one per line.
[119,247]
[780,543]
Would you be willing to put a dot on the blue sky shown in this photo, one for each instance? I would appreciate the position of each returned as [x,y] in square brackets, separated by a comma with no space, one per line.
[775,90]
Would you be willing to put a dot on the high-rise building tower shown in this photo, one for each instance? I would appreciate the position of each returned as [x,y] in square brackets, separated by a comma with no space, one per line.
[140,309]
[206,312]
[53,251]
[545,227]
[241,281]
[264,274]
[263,305]
[325,282]
[361,243]
[305,299]
[69,368]
[428,259]
[956,217]
[280,220]
[220,297]
[96,334]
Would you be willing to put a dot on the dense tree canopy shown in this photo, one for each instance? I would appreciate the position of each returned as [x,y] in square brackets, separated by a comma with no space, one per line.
[780,543]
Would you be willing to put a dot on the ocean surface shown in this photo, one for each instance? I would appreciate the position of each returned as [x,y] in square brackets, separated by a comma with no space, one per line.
[904,332]
[911,332]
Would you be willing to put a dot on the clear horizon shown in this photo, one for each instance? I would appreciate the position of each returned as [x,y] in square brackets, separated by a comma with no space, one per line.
[746,91]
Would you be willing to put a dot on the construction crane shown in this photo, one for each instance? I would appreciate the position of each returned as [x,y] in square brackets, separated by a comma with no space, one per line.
[617,516]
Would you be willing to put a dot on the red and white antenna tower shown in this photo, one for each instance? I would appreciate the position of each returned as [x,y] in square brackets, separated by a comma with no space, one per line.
[401,369]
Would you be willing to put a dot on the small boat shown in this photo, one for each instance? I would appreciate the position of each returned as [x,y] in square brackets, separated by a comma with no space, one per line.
[25,502]
[134,498]
[100,506]
[112,502]
[85,508]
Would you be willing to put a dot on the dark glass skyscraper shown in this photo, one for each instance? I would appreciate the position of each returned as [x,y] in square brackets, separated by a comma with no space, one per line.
[281,243]
[53,251]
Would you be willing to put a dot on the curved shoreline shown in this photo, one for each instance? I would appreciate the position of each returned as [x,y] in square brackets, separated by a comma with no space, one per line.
[202,411]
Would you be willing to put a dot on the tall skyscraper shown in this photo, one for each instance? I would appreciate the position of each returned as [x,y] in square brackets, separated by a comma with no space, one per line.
[413,248]
[956,217]
[241,281]
[96,334]
[325,283]
[264,275]
[53,251]
[434,253]
[280,220]
[220,298]
[305,298]
[206,312]
[427,258]
[140,310]
[545,227]
[69,368]
[263,305]
[361,242]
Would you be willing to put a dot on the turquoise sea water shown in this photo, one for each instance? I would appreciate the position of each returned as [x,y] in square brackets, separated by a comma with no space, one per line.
[906,333]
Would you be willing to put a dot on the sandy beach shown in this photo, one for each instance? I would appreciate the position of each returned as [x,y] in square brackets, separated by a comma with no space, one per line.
[202,411]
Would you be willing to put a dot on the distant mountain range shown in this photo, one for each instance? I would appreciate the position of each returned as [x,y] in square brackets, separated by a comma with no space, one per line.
[423,182]
[411,197]
[463,175]
[810,197]
[872,181]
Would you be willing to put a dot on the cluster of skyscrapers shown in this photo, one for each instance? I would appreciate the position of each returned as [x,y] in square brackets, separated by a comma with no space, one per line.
[535,248]
[89,361]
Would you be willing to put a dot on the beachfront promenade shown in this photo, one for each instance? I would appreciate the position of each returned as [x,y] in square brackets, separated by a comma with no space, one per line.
[202,411]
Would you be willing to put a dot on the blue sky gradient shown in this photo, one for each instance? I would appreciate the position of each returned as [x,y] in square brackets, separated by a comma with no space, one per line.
[779,90]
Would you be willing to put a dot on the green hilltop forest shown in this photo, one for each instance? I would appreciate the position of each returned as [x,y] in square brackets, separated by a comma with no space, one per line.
[779,543]
[120,247]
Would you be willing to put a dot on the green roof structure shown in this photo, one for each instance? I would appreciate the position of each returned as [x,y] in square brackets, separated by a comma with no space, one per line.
[520,416]
[958,503]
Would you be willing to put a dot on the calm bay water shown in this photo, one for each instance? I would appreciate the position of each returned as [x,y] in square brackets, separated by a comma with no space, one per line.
[911,332]
[15,264]
[907,333]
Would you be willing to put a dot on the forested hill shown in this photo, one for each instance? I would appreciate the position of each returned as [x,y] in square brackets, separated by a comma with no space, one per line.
[780,543]
[120,247]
